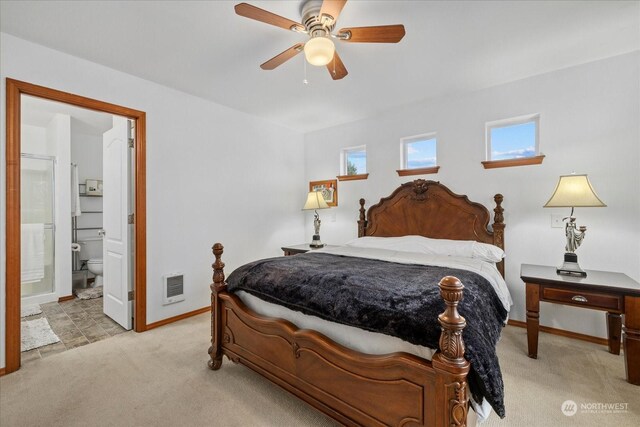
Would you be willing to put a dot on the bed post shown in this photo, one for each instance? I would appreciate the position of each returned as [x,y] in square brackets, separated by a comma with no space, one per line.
[449,363]
[362,222]
[218,285]
[498,228]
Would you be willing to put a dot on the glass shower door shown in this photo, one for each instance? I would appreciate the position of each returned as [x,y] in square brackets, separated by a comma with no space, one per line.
[37,174]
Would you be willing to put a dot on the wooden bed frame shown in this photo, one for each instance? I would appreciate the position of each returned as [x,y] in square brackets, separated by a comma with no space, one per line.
[357,389]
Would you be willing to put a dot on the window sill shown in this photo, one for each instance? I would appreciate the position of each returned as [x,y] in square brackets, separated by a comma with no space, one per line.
[352,177]
[526,161]
[418,171]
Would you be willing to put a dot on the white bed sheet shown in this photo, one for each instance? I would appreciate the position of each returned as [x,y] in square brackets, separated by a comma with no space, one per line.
[373,342]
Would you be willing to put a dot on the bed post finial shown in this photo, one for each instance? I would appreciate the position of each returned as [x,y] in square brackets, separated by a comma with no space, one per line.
[498,228]
[449,361]
[362,222]
[451,344]
[219,285]
[218,265]
[498,218]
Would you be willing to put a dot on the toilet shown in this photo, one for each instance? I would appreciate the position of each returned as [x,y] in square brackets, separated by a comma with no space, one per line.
[95,267]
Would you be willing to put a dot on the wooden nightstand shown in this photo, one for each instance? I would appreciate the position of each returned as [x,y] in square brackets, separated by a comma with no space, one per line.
[300,249]
[615,293]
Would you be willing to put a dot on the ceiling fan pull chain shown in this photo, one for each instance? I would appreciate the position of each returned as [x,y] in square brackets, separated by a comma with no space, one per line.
[305,81]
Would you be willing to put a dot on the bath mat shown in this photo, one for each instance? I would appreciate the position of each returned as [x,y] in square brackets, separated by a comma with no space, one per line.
[89,293]
[30,310]
[36,333]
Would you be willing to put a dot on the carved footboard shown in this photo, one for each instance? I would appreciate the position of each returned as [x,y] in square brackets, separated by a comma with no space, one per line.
[356,389]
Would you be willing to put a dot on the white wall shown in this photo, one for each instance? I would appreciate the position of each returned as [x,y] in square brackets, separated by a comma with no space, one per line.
[33,139]
[86,151]
[589,124]
[59,132]
[213,174]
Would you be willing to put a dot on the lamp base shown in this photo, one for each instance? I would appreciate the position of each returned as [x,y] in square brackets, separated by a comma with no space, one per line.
[316,242]
[570,267]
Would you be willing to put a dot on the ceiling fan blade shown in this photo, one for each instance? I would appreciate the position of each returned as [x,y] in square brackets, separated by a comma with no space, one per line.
[379,34]
[332,9]
[252,12]
[283,57]
[337,65]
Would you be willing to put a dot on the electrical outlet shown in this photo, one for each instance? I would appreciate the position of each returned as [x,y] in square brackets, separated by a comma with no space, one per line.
[556,221]
[332,217]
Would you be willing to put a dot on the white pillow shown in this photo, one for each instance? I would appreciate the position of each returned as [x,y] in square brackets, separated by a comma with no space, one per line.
[425,245]
[487,252]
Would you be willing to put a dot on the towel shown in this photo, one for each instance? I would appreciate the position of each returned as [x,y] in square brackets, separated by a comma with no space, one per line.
[32,253]
[75,191]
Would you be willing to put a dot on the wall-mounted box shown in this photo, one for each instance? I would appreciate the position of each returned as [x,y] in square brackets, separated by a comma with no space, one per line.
[173,288]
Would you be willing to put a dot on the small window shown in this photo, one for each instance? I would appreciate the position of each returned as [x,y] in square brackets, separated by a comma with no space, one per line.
[354,160]
[418,155]
[353,163]
[513,142]
[512,138]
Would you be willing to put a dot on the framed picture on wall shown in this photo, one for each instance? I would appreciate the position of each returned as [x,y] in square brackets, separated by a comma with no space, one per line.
[329,190]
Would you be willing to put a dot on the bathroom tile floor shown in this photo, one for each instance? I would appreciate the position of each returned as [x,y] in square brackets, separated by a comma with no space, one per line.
[77,323]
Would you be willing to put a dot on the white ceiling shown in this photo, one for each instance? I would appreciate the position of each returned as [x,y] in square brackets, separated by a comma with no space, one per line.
[39,112]
[204,49]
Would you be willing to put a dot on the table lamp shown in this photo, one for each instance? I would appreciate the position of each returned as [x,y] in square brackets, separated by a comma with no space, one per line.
[573,191]
[314,202]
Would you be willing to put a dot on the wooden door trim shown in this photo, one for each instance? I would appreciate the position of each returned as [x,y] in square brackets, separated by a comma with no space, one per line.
[14,89]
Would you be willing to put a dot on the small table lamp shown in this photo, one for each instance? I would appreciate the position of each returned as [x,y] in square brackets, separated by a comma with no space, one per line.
[315,201]
[573,191]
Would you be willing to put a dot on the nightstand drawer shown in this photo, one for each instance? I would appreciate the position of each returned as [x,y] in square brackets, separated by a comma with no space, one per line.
[586,299]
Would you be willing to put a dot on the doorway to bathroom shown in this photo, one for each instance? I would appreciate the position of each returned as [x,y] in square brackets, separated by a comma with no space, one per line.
[76,214]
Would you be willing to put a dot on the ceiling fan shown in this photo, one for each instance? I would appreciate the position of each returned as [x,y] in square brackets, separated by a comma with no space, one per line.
[318,22]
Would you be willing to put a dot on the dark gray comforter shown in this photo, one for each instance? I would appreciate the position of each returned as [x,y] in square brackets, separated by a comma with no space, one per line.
[401,300]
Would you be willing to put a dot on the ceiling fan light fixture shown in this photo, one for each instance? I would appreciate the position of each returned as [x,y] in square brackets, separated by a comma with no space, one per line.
[319,51]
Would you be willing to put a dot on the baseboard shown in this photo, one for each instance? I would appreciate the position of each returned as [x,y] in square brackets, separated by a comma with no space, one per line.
[3,371]
[562,333]
[179,317]
[66,298]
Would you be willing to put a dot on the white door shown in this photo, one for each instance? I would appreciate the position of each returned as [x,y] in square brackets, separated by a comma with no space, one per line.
[116,152]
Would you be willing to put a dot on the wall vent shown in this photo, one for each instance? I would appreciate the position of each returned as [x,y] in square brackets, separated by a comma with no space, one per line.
[173,285]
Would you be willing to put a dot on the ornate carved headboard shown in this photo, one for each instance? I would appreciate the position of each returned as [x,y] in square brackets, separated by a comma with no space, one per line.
[428,208]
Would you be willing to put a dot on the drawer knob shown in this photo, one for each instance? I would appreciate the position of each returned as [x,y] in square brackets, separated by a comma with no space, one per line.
[579,298]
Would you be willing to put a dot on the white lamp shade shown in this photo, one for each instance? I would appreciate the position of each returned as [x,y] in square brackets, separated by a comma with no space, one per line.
[319,51]
[315,201]
[574,191]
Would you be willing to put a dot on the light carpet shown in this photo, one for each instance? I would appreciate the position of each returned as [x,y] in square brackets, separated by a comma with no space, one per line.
[160,378]
[30,310]
[36,333]
[89,293]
